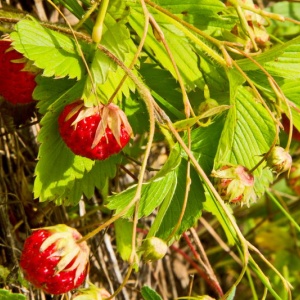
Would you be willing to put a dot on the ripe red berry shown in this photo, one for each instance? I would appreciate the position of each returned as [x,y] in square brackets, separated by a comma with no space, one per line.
[94,132]
[53,261]
[16,83]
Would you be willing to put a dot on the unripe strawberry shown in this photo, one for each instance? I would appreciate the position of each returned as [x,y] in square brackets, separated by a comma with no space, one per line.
[91,293]
[53,261]
[153,249]
[235,184]
[94,132]
[17,82]
[279,160]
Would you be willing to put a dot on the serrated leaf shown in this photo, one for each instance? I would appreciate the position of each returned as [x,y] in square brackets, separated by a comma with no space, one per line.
[248,133]
[55,53]
[149,294]
[57,166]
[282,60]
[170,210]
[153,191]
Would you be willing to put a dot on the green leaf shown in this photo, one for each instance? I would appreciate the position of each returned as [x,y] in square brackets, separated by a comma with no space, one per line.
[153,192]
[57,54]
[282,60]
[170,210]
[7,295]
[105,75]
[57,166]
[204,14]
[157,80]
[180,46]
[149,294]
[77,10]
[187,123]
[124,230]
[248,132]
[205,142]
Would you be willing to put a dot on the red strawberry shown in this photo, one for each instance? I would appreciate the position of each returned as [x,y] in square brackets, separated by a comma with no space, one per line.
[235,184]
[94,132]
[16,84]
[53,261]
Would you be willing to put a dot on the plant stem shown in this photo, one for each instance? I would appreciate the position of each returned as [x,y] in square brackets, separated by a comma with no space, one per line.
[289,217]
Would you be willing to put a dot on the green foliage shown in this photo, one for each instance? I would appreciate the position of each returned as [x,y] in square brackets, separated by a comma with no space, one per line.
[190,48]
[7,295]
[149,294]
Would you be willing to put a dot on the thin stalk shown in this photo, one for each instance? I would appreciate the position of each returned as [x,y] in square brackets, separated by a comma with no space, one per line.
[87,15]
[288,216]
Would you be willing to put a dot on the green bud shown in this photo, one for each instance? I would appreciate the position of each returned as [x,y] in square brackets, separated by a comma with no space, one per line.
[153,249]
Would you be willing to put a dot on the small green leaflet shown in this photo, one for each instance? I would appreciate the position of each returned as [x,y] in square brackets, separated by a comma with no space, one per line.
[149,294]
[153,192]
[170,210]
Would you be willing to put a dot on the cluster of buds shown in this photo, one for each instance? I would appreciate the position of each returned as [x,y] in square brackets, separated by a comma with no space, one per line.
[235,184]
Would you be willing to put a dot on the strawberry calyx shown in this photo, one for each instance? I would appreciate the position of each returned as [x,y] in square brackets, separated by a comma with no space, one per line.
[112,117]
[72,255]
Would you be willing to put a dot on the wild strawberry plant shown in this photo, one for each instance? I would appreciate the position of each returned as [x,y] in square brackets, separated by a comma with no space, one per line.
[208,80]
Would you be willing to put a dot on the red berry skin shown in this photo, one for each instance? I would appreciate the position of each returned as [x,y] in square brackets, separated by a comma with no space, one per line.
[80,137]
[286,127]
[39,268]
[16,86]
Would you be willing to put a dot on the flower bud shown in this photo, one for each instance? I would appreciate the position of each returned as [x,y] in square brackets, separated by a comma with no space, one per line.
[153,249]
[279,160]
